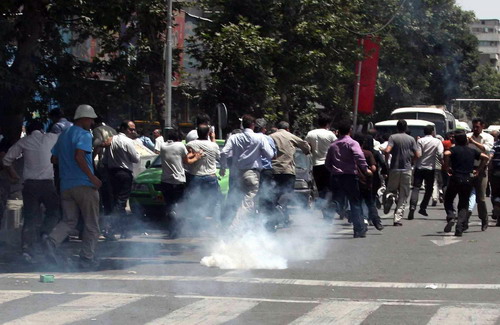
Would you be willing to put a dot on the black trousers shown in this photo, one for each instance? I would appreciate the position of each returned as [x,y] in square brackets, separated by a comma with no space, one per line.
[36,192]
[463,190]
[266,192]
[347,186]
[419,177]
[121,185]
[172,195]
[322,179]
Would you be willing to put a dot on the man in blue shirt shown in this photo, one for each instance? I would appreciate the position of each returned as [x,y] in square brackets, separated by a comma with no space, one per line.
[79,187]
[247,150]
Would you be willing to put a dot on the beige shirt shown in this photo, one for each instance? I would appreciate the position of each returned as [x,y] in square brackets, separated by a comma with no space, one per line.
[286,144]
[483,138]
[207,165]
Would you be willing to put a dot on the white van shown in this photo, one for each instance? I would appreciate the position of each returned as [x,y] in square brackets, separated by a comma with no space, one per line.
[415,127]
[443,120]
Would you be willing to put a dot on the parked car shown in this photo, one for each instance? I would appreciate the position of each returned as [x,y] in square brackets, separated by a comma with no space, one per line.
[304,190]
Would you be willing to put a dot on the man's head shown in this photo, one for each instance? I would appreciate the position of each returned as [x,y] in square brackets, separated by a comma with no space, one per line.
[56,114]
[283,125]
[344,127]
[260,125]
[173,135]
[203,132]
[428,130]
[401,125]
[128,128]
[494,134]
[324,120]
[84,116]
[202,119]
[156,133]
[460,138]
[34,125]
[477,125]
[248,121]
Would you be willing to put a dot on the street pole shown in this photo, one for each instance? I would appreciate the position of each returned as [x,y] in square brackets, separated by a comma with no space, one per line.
[356,93]
[168,69]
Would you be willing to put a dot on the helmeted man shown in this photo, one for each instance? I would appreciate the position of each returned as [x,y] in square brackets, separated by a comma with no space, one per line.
[79,188]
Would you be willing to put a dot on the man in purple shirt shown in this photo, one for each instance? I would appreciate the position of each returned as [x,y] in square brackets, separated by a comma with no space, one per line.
[341,160]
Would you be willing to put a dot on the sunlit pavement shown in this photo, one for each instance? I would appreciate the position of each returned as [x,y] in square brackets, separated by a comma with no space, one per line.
[414,274]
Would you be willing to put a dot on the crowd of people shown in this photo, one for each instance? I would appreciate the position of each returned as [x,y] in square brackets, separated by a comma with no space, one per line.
[82,175]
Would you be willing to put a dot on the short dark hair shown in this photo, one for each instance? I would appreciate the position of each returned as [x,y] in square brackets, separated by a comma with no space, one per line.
[247,120]
[359,138]
[202,119]
[344,127]
[173,135]
[34,125]
[402,125]
[56,112]
[124,125]
[203,132]
[323,120]
[283,125]
[428,129]
[477,120]
[460,138]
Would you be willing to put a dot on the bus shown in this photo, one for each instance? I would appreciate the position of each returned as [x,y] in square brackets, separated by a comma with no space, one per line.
[443,120]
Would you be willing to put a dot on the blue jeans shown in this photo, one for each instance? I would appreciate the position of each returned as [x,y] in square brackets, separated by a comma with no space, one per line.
[348,186]
[203,194]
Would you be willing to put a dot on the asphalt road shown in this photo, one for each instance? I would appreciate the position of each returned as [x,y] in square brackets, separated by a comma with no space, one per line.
[413,274]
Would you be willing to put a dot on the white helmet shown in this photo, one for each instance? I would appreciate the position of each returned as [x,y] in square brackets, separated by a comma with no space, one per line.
[85,111]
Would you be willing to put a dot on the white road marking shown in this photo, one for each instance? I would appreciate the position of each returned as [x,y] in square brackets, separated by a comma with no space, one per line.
[76,310]
[206,312]
[339,313]
[6,296]
[465,316]
[446,240]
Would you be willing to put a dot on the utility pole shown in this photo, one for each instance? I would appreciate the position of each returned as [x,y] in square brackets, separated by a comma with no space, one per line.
[168,69]
[356,92]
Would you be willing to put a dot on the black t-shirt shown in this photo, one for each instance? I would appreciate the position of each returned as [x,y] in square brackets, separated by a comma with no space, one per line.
[462,159]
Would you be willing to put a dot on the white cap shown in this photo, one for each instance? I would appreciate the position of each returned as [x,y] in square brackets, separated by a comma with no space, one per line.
[85,111]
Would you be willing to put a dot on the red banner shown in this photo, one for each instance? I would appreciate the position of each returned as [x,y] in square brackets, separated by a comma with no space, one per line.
[368,78]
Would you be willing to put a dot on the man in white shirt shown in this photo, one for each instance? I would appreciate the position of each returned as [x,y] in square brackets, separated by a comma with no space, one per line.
[429,148]
[39,188]
[158,140]
[201,163]
[60,123]
[119,158]
[247,150]
[320,140]
[482,142]
[173,177]
[201,120]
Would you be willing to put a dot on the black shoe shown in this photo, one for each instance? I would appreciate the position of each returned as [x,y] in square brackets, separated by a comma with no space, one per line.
[361,234]
[423,212]
[411,215]
[434,203]
[449,226]
[378,226]
[498,222]
[458,233]
[389,200]
[51,251]
[465,226]
[109,236]
[398,224]
[484,225]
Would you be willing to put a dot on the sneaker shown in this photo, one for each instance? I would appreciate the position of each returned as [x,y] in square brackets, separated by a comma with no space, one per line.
[361,234]
[484,225]
[449,226]
[423,212]
[397,224]
[434,203]
[458,233]
[389,201]
[411,214]
[378,226]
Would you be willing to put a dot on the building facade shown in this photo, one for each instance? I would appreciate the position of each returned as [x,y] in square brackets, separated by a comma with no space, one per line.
[487,32]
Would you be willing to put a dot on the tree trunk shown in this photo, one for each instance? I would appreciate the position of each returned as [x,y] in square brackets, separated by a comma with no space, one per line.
[21,79]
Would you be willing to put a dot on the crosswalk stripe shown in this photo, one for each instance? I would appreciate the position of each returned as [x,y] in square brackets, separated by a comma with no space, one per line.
[465,316]
[76,310]
[207,312]
[9,296]
[339,313]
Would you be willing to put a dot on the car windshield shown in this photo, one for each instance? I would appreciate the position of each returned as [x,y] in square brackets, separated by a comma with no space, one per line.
[302,161]
[438,119]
